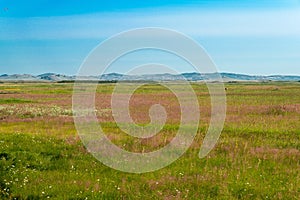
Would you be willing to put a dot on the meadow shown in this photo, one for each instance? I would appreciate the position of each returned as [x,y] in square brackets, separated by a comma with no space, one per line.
[256,157]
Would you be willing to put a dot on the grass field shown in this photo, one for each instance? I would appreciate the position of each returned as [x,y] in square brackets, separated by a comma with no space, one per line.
[256,157]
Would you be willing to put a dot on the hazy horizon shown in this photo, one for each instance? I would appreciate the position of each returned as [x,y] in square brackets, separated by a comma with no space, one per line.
[1,74]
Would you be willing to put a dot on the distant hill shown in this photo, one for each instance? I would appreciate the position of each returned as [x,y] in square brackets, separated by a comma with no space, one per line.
[24,77]
[227,77]
[54,77]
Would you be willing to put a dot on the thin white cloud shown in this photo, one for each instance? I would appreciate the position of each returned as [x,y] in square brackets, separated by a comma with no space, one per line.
[219,23]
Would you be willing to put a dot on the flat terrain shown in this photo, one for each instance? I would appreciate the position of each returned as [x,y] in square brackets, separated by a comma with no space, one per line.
[256,157]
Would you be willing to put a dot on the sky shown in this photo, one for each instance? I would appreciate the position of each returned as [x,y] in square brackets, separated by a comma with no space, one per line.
[260,37]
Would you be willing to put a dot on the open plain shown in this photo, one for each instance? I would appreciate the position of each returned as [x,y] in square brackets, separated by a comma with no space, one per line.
[256,157]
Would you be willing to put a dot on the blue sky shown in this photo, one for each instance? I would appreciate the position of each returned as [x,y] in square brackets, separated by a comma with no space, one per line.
[252,37]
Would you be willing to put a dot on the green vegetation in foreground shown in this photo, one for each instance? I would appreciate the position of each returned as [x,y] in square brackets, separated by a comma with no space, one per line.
[257,156]
[14,101]
[36,167]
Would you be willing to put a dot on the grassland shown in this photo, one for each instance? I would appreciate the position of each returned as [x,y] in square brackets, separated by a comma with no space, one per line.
[257,156]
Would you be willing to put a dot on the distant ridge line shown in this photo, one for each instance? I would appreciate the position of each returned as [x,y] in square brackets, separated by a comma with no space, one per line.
[113,77]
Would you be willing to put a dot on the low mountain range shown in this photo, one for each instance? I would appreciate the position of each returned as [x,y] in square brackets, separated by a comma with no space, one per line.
[227,77]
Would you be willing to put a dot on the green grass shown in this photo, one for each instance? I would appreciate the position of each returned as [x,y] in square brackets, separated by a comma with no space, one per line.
[38,166]
[256,157]
[14,101]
